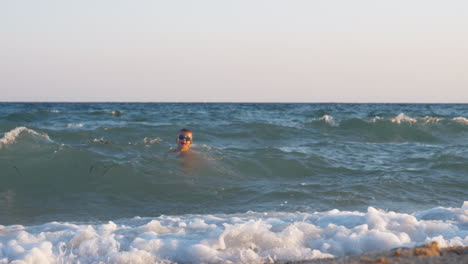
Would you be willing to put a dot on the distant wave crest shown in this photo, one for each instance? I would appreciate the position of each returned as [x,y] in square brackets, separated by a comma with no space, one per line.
[460,119]
[402,118]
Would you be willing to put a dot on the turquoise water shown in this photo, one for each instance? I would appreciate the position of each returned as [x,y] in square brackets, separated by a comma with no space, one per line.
[261,167]
[107,161]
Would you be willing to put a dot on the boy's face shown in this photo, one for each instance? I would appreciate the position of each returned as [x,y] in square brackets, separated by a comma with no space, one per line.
[184,139]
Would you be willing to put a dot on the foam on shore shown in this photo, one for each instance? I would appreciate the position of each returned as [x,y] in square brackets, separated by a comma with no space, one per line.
[240,238]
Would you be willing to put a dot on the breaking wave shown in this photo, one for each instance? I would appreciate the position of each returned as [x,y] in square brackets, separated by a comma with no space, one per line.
[401,118]
[11,136]
[240,238]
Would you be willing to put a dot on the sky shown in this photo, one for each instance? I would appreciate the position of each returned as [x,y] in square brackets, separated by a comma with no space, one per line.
[234,51]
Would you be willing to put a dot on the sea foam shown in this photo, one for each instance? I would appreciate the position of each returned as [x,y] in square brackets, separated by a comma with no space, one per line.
[240,238]
[11,136]
[431,119]
[403,118]
[74,125]
[461,119]
[329,120]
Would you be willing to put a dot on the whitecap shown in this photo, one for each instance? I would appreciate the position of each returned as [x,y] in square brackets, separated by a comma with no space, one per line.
[375,119]
[304,150]
[328,119]
[117,113]
[431,119]
[75,125]
[460,119]
[11,136]
[401,118]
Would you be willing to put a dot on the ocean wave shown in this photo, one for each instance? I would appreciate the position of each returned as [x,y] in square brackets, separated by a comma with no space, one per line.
[12,135]
[431,119]
[401,128]
[329,120]
[460,119]
[403,118]
[239,238]
[117,113]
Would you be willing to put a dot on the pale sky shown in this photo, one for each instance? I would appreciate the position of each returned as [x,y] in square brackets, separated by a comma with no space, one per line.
[234,51]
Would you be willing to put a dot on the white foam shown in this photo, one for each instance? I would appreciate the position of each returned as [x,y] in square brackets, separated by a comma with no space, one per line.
[328,119]
[375,119]
[401,118]
[117,113]
[431,119]
[238,238]
[75,125]
[299,149]
[460,119]
[11,136]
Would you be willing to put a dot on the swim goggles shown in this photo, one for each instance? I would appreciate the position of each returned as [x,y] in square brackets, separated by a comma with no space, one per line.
[182,137]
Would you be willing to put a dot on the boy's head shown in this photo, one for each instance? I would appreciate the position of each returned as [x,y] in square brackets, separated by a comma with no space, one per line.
[184,139]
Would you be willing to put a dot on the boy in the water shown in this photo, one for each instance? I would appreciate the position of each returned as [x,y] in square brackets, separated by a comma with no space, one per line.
[184,140]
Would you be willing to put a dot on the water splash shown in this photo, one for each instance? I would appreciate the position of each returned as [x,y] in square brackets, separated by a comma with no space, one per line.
[240,238]
[11,136]
[402,118]
[329,120]
[460,119]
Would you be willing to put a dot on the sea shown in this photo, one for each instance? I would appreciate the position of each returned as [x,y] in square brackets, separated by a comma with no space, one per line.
[265,183]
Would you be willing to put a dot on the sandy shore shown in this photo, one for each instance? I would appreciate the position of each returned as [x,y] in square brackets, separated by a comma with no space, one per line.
[429,253]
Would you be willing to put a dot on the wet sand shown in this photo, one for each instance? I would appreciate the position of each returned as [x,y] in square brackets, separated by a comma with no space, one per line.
[427,254]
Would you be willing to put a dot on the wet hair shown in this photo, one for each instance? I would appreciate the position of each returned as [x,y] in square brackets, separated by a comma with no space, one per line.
[185,130]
